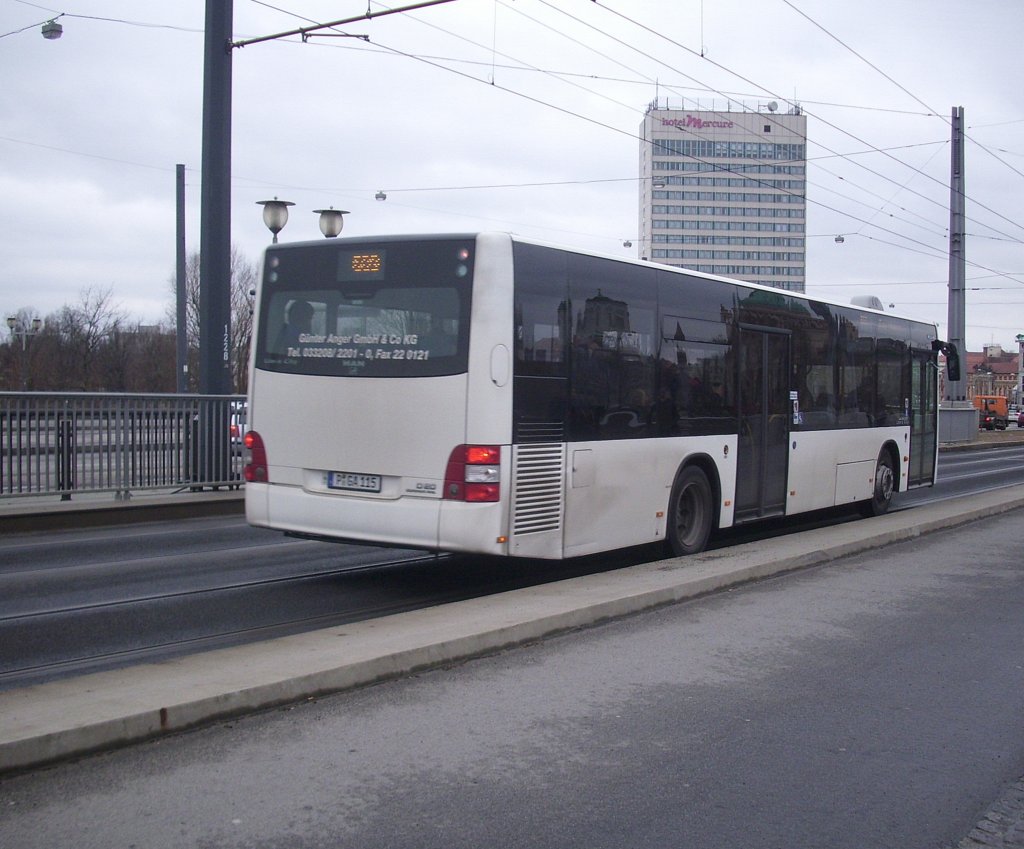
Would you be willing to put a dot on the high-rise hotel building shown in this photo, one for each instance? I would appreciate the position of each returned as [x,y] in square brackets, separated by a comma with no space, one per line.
[724,192]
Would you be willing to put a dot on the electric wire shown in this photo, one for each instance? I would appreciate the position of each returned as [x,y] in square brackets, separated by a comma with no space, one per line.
[764,183]
[681,46]
[579,116]
[901,87]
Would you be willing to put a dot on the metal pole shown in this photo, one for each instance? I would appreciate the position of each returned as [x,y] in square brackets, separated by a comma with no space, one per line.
[181,334]
[956,390]
[215,236]
[958,420]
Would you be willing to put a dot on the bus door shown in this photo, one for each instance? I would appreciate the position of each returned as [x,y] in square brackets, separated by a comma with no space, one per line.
[923,403]
[764,410]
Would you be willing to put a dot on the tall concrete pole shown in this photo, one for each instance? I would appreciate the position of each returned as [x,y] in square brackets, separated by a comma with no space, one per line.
[181,317]
[958,420]
[957,324]
[215,224]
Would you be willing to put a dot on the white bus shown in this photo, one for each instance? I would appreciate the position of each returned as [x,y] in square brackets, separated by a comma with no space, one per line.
[491,394]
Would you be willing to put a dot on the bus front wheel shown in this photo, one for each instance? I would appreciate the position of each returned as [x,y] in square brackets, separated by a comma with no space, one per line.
[885,486]
[690,512]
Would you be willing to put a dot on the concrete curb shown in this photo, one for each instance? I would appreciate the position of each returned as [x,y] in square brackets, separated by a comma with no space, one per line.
[70,718]
[30,515]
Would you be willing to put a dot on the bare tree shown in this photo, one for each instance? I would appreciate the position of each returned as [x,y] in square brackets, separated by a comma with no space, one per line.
[243,284]
[68,349]
[139,358]
[89,346]
[243,294]
[93,346]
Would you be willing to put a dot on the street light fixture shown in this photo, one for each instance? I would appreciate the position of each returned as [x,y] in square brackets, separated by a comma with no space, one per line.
[331,221]
[52,30]
[275,214]
[18,328]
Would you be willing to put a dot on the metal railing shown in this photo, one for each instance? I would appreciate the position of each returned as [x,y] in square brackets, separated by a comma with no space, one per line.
[65,443]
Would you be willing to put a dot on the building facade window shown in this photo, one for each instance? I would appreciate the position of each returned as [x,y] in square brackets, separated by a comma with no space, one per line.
[706,149]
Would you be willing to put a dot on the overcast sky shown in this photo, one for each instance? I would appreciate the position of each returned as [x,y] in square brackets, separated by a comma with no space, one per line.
[517,115]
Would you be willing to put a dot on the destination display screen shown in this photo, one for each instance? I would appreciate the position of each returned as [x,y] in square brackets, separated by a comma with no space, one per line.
[361,265]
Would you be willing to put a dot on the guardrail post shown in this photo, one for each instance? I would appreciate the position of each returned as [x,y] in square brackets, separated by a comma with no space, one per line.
[192,451]
[65,456]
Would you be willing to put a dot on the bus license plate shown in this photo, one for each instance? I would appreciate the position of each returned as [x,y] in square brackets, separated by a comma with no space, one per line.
[351,481]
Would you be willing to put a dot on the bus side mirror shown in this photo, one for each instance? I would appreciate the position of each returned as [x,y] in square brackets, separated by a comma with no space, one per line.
[952,358]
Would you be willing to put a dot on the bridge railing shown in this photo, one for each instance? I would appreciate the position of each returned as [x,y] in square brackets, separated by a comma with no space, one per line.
[66,443]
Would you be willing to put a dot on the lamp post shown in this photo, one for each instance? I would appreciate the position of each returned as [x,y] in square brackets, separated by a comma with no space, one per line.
[19,328]
[331,221]
[275,214]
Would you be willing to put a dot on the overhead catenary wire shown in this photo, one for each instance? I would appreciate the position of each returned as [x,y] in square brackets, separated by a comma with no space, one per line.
[927,249]
[720,170]
[898,85]
[745,79]
[511,185]
[316,25]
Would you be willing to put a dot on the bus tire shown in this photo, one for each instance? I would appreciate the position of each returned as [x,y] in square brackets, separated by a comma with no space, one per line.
[691,512]
[885,486]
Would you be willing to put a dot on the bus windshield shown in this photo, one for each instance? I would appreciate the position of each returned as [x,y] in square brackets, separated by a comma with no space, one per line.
[398,309]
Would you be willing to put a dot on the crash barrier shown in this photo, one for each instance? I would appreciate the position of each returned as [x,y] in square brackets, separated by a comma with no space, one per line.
[67,443]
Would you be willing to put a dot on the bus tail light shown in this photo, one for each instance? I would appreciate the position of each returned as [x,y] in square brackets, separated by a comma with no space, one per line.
[473,473]
[255,470]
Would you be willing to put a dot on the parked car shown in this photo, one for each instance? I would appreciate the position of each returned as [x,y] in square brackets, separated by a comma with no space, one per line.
[1020,419]
[239,421]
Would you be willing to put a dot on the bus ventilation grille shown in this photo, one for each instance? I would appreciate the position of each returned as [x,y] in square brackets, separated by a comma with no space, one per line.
[540,431]
[538,488]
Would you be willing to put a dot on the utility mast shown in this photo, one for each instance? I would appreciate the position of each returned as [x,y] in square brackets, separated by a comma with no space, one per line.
[958,420]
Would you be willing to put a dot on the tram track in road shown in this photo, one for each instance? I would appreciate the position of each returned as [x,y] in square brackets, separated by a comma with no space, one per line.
[65,640]
[18,676]
[61,641]
[83,601]
[238,585]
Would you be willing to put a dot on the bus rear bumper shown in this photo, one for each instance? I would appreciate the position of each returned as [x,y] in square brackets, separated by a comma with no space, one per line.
[406,523]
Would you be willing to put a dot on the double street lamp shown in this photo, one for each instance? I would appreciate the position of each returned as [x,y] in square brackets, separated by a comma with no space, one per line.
[19,328]
[275,216]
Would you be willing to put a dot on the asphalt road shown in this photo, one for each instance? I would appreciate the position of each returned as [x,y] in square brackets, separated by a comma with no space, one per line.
[83,598]
[876,701]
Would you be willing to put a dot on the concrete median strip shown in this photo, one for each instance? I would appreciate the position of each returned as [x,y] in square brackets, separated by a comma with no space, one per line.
[69,718]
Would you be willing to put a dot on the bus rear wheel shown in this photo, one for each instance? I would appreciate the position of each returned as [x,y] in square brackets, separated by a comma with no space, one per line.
[690,512]
[885,486]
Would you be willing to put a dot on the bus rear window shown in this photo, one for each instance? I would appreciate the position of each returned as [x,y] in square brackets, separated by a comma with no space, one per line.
[394,310]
